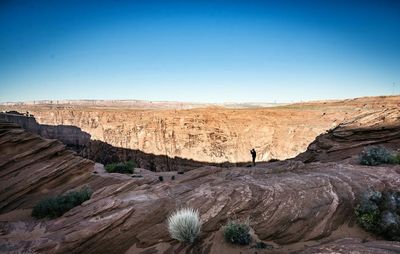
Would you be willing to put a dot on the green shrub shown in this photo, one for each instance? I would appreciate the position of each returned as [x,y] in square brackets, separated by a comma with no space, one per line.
[262,245]
[56,206]
[375,155]
[379,213]
[396,159]
[121,167]
[184,225]
[237,233]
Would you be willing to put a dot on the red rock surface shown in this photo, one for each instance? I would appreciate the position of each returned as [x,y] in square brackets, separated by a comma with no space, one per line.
[350,138]
[287,202]
[351,245]
[32,168]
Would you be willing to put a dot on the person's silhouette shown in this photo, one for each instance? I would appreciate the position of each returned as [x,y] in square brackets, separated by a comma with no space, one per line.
[253,156]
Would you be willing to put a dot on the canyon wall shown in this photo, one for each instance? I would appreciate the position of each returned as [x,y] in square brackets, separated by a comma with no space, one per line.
[32,168]
[79,141]
[214,134]
[71,136]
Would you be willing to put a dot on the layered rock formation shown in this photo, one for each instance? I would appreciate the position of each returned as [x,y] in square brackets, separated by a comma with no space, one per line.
[350,138]
[32,168]
[79,141]
[287,202]
[69,135]
[210,134]
[351,245]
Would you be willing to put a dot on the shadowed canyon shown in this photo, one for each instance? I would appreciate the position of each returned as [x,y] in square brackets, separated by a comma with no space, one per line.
[299,198]
[212,134]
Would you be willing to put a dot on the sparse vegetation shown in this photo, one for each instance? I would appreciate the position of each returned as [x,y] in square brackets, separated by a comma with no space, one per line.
[237,233]
[376,155]
[262,245]
[379,213]
[137,176]
[396,159]
[184,225]
[121,167]
[56,206]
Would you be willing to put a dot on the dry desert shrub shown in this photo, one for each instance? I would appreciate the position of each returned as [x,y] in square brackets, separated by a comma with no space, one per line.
[184,225]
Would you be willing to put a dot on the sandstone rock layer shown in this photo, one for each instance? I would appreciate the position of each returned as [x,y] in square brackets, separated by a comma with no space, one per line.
[350,138]
[32,168]
[213,134]
[286,202]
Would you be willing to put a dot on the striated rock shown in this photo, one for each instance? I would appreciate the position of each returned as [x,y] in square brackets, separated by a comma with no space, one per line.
[32,168]
[351,245]
[285,206]
[79,141]
[70,135]
[350,138]
[213,134]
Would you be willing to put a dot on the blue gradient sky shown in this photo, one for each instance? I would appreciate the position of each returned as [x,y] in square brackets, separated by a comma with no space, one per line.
[219,51]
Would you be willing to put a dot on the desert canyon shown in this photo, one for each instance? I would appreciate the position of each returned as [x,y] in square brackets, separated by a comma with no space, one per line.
[299,198]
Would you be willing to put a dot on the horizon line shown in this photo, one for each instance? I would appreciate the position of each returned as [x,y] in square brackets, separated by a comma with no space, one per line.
[64,101]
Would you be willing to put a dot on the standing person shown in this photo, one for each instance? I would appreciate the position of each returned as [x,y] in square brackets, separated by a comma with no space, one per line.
[253,156]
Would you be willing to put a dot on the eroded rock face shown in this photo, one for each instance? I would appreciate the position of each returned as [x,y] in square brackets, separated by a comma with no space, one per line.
[32,168]
[350,138]
[286,202]
[80,142]
[351,245]
[69,135]
[209,134]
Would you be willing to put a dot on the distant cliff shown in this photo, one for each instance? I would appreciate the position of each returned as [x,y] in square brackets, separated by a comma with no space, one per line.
[70,135]
[212,134]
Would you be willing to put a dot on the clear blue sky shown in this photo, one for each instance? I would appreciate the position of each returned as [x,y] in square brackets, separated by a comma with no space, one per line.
[205,51]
